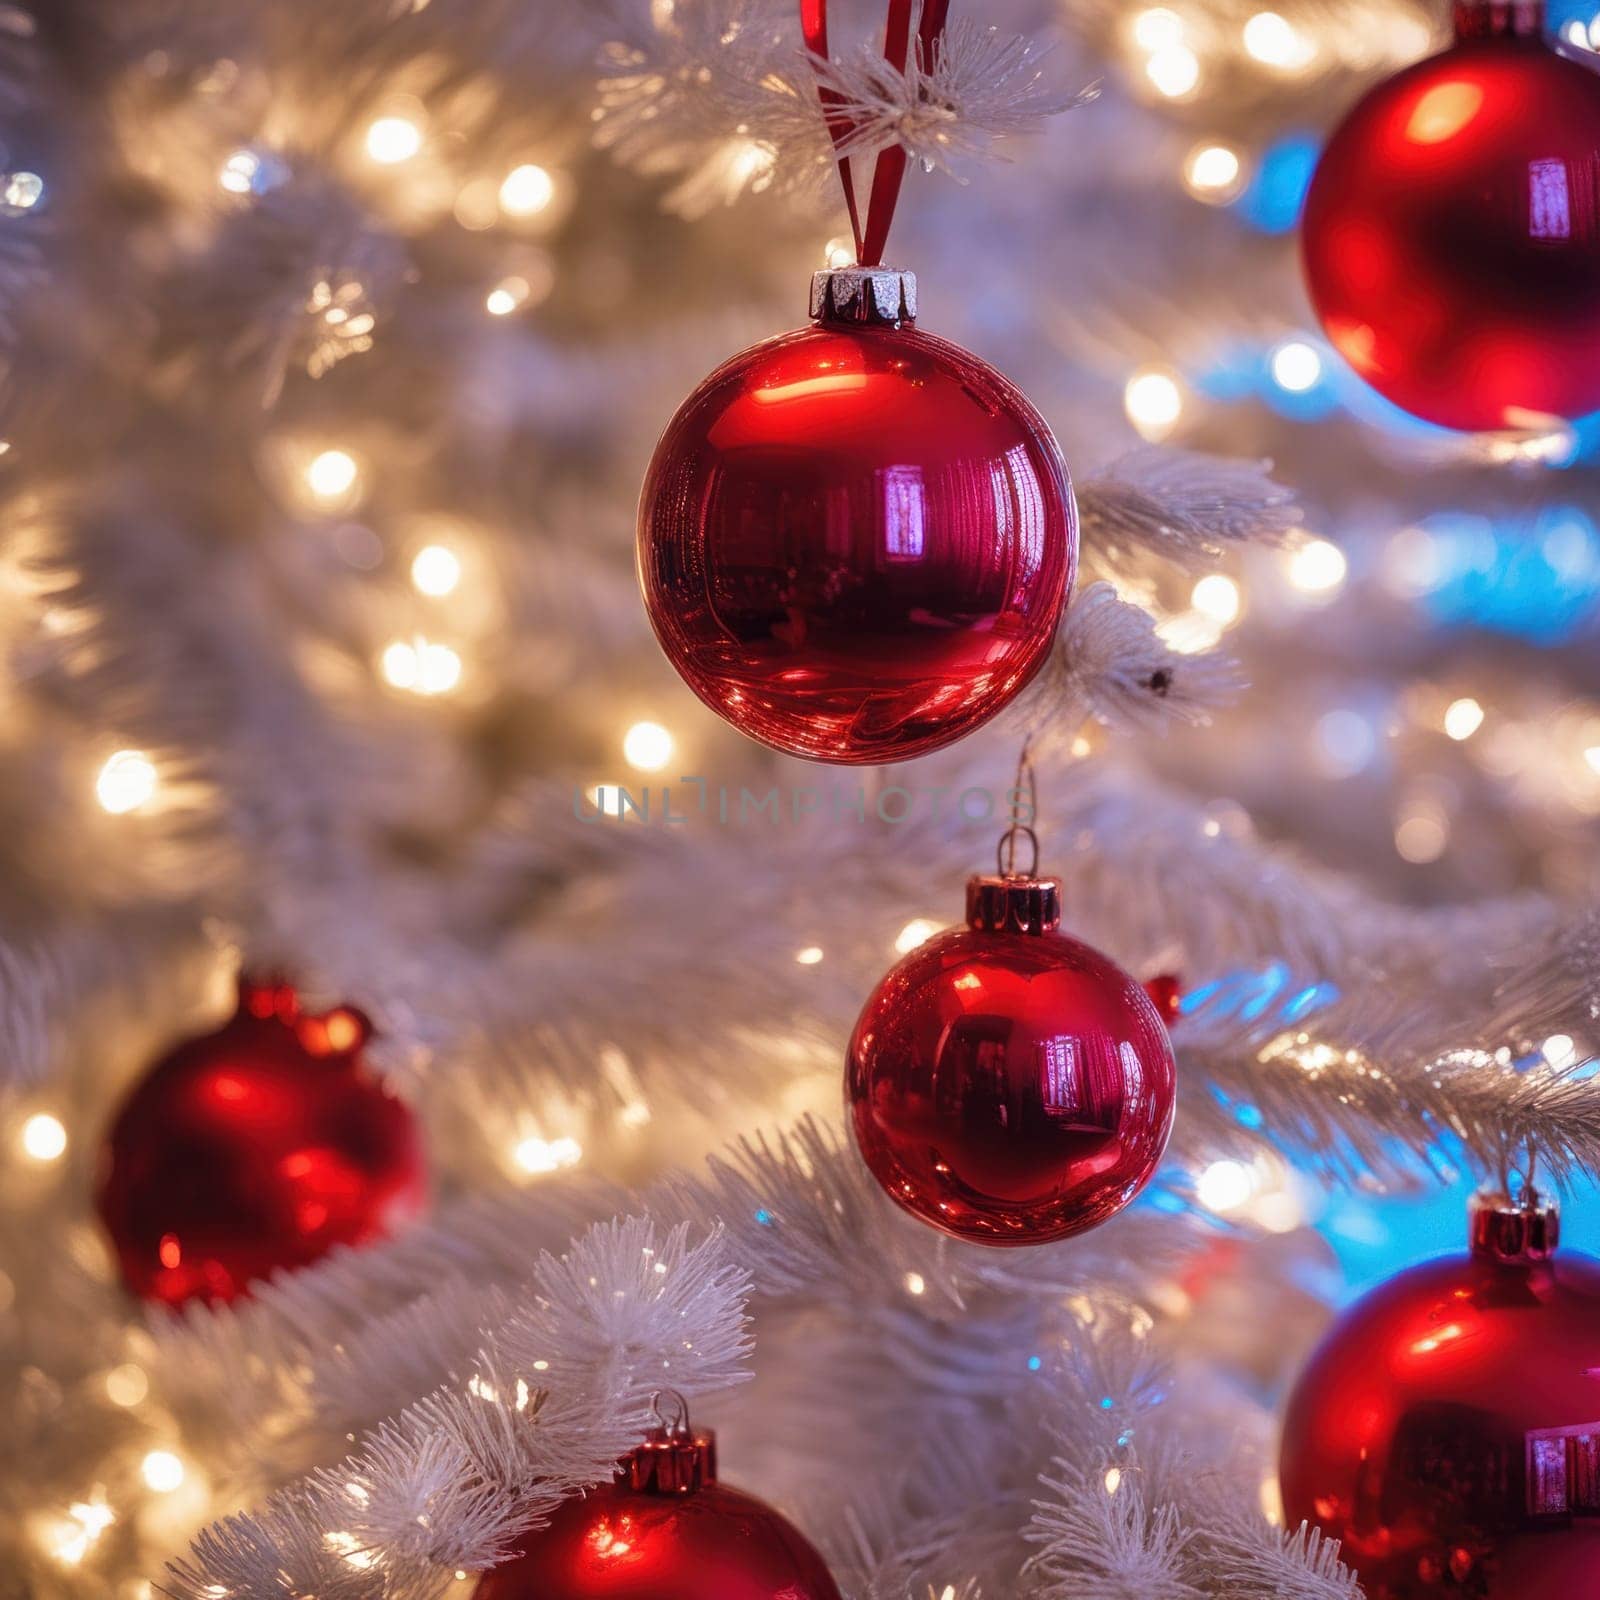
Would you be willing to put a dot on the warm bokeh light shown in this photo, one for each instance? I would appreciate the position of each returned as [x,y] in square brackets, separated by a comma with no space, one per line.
[1217,596]
[332,474]
[647,747]
[127,1385]
[421,666]
[1296,366]
[839,251]
[1174,70]
[506,296]
[918,931]
[162,1471]
[238,174]
[526,191]
[1225,1186]
[43,1137]
[538,1156]
[810,956]
[915,1283]
[1153,402]
[391,140]
[1275,42]
[1317,567]
[435,570]
[1157,29]
[1463,718]
[20,192]
[127,781]
[1212,172]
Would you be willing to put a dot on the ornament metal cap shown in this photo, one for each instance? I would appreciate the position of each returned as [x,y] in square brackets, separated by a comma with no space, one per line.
[884,296]
[1013,902]
[1523,1230]
[674,1459]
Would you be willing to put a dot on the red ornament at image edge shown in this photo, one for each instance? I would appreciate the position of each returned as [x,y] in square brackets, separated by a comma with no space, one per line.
[664,1530]
[257,1147]
[1006,1083]
[1452,230]
[1447,1430]
[855,540]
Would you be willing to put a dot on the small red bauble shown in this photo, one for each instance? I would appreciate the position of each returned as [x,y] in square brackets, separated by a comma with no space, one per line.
[1008,1084]
[1447,1431]
[664,1530]
[855,540]
[1166,995]
[257,1147]
[1452,229]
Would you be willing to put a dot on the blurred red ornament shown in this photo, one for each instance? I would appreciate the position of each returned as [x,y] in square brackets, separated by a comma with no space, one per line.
[855,540]
[1166,995]
[1008,1084]
[256,1147]
[664,1530]
[1447,1431]
[1452,229]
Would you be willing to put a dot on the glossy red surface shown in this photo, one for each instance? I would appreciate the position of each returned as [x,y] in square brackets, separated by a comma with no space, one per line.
[256,1147]
[1448,1433]
[1452,236]
[1010,1088]
[855,542]
[618,1544]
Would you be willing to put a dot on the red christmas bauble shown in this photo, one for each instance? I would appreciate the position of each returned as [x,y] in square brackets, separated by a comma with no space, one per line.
[665,1530]
[256,1147]
[1008,1084]
[1166,995]
[1447,1431]
[855,540]
[1452,230]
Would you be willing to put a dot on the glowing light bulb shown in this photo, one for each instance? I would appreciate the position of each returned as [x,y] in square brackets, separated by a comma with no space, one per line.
[1296,366]
[1174,69]
[126,782]
[43,1137]
[1225,1185]
[1212,173]
[1113,1479]
[1317,567]
[918,931]
[1275,42]
[1463,718]
[506,296]
[539,1156]
[20,192]
[915,1283]
[70,1538]
[526,191]
[162,1471]
[810,956]
[1559,1051]
[391,140]
[1217,597]
[647,747]
[435,570]
[332,474]
[1157,29]
[1153,402]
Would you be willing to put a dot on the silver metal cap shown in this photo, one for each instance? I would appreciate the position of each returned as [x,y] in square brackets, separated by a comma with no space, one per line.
[882,295]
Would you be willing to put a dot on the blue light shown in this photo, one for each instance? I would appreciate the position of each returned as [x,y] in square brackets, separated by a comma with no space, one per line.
[764,1217]
[1034,1363]
[1277,192]
[1107,1403]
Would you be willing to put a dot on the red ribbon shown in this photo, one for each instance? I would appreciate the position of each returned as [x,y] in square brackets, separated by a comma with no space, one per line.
[890,168]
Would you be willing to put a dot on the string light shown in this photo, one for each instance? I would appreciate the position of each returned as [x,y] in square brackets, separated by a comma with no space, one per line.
[1213,173]
[20,192]
[435,570]
[1296,366]
[1216,597]
[421,666]
[647,747]
[127,1385]
[539,1156]
[127,781]
[332,474]
[70,1538]
[918,931]
[1275,42]
[1153,402]
[1174,70]
[1225,1186]
[506,296]
[1113,1479]
[1463,718]
[810,956]
[238,174]
[391,140]
[915,1283]
[43,1137]
[1317,567]
[1157,29]
[162,1471]
[526,191]
[1559,1051]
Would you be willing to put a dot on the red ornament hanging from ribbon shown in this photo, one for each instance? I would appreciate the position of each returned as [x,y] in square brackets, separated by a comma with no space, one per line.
[855,540]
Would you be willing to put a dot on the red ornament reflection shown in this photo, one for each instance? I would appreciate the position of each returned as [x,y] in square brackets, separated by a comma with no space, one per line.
[257,1147]
[1452,230]
[665,1530]
[855,542]
[1447,1431]
[1008,1084]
